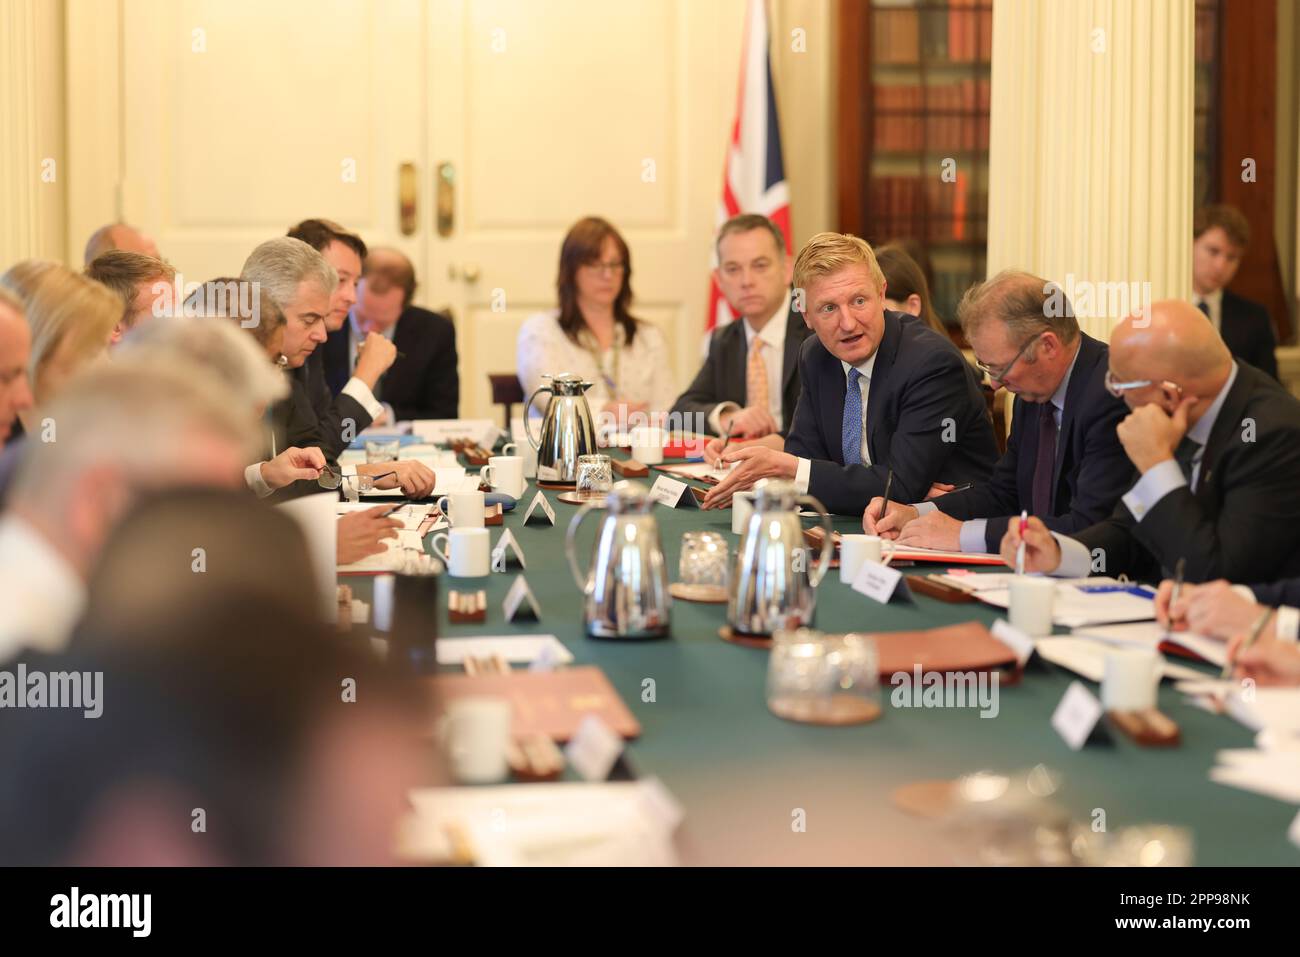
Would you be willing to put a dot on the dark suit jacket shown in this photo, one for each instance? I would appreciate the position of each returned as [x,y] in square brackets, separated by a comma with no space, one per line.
[1285,592]
[1092,471]
[339,419]
[1248,332]
[926,418]
[1243,522]
[424,381]
[722,377]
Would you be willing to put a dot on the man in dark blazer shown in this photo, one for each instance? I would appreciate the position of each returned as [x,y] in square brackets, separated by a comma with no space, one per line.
[1064,462]
[423,382]
[878,393]
[749,383]
[1220,236]
[1216,443]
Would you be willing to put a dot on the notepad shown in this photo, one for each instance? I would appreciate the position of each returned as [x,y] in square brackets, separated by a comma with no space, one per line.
[1148,634]
[1087,659]
[1076,608]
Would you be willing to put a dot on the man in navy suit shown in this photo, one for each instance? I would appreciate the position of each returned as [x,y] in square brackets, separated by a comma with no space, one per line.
[877,393]
[1064,462]
[424,382]
[1220,237]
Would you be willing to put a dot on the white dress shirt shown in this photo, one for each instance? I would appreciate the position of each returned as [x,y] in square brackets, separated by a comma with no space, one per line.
[803,472]
[355,387]
[41,594]
[1159,481]
[974,530]
[1214,301]
[773,336]
[644,372]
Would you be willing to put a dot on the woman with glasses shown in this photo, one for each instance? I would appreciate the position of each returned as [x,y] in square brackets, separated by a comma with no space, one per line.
[593,334]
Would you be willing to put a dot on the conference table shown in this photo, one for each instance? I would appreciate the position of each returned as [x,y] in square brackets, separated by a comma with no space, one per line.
[742,774]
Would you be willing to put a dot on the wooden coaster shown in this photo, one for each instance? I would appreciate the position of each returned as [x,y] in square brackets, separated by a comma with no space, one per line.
[557,485]
[493,515]
[707,594]
[534,757]
[597,499]
[926,799]
[839,709]
[630,468]
[748,641]
[466,607]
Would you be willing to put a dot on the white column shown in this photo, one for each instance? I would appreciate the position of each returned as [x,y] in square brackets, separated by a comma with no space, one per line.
[1090,153]
[32,176]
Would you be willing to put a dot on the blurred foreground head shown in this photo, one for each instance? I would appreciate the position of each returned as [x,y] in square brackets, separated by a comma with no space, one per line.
[236,732]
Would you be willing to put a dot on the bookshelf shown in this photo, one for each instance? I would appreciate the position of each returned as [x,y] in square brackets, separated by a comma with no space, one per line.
[920,99]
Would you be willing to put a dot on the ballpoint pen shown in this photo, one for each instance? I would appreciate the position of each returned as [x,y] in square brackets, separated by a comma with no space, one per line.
[1231,662]
[884,502]
[1020,551]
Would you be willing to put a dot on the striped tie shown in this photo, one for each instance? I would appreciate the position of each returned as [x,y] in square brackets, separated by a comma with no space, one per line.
[756,376]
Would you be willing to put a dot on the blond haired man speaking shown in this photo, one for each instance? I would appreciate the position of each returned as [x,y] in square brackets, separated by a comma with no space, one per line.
[879,392]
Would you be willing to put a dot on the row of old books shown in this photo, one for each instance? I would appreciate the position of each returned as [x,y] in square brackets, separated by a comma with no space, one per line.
[947,116]
[927,208]
[961,32]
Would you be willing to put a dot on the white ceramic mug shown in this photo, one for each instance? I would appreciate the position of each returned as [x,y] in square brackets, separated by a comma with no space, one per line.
[1130,679]
[476,732]
[742,506]
[648,446]
[1032,599]
[855,551]
[466,552]
[464,509]
[505,473]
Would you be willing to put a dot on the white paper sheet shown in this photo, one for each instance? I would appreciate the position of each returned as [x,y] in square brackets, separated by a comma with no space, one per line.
[1148,634]
[1087,659]
[516,649]
[1077,609]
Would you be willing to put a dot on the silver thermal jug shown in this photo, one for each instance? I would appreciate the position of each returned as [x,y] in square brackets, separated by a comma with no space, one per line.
[568,429]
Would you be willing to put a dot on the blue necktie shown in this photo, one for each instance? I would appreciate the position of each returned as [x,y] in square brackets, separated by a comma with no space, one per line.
[851,431]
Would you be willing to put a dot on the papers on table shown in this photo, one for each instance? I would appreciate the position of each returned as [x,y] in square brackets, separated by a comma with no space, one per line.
[1272,768]
[695,470]
[411,515]
[1087,658]
[563,824]
[483,432]
[516,649]
[428,455]
[1080,602]
[1148,634]
[1274,774]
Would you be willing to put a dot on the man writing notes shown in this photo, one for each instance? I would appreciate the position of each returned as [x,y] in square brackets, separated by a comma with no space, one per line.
[877,393]
[1216,443]
[1064,462]
[749,383]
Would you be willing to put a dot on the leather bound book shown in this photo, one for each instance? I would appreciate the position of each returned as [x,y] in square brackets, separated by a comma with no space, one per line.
[965,647]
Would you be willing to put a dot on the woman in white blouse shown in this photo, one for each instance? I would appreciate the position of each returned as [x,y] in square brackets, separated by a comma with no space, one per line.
[592,334]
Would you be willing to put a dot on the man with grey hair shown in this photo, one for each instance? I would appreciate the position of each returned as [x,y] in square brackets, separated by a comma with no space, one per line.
[300,282]
[1064,462]
[119,236]
[117,430]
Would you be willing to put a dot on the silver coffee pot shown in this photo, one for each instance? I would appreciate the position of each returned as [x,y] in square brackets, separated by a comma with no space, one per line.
[568,429]
[625,591]
[772,587]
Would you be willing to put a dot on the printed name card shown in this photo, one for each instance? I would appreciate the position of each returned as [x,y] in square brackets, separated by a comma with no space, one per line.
[520,603]
[594,749]
[507,553]
[672,493]
[880,583]
[1015,639]
[546,515]
[1076,715]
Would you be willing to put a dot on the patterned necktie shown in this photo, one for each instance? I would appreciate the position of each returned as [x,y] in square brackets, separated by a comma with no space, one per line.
[1045,462]
[851,431]
[756,376]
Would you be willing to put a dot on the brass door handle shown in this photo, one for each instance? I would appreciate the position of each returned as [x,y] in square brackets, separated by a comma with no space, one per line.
[445,192]
[407,199]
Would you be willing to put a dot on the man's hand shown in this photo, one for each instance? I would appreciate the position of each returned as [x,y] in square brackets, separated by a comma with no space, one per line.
[1268,661]
[713,449]
[293,465]
[1213,609]
[361,534]
[1042,552]
[751,422]
[1150,437]
[415,479]
[893,522]
[933,530]
[937,489]
[752,463]
[374,356]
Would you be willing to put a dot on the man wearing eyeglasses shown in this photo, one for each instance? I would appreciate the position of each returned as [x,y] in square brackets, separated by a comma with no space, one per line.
[1216,443]
[1064,462]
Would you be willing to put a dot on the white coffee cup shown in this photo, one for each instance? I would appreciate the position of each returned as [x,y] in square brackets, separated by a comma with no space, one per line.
[1130,678]
[855,550]
[742,506]
[464,509]
[476,732]
[505,473]
[648,446]
[466,553]
[1032,599]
